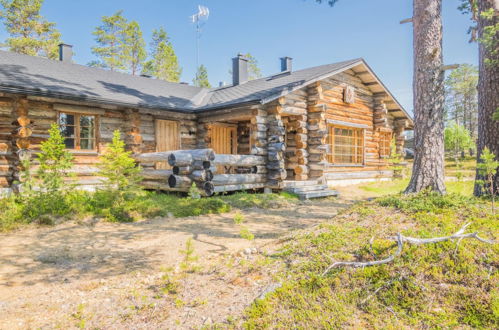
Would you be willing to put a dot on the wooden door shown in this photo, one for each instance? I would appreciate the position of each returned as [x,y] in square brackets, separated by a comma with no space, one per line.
[224,141]
[167,138]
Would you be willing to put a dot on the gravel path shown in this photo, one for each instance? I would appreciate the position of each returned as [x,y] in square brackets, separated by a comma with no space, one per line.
[113,276]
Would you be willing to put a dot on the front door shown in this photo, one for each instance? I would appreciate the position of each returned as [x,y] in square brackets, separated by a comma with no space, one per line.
[167,138]
[224,141]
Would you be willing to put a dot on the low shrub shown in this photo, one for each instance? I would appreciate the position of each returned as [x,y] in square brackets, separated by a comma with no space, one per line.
[425,202]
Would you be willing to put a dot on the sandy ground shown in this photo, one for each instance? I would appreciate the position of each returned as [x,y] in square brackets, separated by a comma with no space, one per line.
[102,275]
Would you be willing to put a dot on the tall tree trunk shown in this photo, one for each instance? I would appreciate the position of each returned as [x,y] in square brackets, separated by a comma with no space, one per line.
[428,85]
[488,94]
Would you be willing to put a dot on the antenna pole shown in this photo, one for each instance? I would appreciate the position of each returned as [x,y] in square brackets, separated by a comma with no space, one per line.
[197,42]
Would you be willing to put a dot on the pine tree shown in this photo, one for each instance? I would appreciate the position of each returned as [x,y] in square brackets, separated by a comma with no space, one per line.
[109,37]
[134,51]
[164,62]
[462,97]
[118,167]
[29,32]
[486,31]
[201,79]
[55,161]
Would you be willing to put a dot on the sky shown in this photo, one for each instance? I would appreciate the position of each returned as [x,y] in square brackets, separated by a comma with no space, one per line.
[312,34]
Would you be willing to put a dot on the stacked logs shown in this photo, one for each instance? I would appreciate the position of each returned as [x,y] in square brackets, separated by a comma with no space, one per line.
[192,166]
[198,166]
[298,137]
[22,133]
[317,130]
[380,116]
[275,146]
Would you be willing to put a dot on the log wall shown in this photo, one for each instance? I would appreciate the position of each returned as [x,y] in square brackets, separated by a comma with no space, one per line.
[325,104]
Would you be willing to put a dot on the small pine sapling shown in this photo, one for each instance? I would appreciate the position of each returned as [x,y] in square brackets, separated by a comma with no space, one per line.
[238,218]
[396,161]
[55,161]
[189,257]
[194,192]
[245,233]
[119,168]
[488,168]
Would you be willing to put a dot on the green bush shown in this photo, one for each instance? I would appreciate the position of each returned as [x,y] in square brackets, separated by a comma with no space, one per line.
[425,202]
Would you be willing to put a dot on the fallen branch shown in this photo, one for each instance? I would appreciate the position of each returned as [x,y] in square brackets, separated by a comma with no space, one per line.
[400,240]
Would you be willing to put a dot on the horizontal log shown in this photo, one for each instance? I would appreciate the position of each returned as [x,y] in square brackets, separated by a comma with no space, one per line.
[201,175]
[156,175]
[157,185]
[177,181]
[238,187]
[182,170]
[201,165]
[301,169]
[181,157]
[238,160]
[229,179]
[152,157]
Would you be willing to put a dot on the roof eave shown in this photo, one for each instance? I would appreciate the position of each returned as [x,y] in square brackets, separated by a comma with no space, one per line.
[86,98]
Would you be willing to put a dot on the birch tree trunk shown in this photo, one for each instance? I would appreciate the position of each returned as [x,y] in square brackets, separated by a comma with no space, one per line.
[428,85]
[488,93]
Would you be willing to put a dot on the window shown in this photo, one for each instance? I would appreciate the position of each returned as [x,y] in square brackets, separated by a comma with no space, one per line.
[347,145]
[78,131]
[385,144]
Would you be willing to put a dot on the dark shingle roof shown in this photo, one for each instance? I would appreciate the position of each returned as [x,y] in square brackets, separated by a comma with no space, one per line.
[269,88]
[38,76]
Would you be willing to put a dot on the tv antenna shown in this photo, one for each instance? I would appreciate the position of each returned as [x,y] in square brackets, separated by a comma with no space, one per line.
[202,14]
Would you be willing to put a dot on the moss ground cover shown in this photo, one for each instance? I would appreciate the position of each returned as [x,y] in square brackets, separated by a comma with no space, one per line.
[449,284]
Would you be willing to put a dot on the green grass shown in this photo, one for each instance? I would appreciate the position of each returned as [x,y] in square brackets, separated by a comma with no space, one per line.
[382,188]
[443,285]
[46,209]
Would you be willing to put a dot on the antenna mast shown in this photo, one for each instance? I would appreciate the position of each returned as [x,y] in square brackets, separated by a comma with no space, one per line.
[203,13]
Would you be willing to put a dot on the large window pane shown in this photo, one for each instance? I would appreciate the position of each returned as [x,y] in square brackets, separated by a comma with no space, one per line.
[67,131]
[87,144]
[347,146]
[78,131]
[66,119]
[70,143]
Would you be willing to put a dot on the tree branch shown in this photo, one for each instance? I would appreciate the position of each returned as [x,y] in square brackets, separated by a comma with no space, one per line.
[400,240]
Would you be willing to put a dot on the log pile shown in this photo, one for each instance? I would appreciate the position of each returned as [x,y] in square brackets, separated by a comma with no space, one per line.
[198,166]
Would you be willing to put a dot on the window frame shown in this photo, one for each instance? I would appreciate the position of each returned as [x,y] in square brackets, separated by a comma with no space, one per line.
[77,126]
[382,143]
[331,143]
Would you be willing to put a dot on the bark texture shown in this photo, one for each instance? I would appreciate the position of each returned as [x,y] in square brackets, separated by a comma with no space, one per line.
[428,85]
[488,94]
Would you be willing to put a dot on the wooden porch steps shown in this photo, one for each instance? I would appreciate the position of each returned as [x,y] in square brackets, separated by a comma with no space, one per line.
[308,189]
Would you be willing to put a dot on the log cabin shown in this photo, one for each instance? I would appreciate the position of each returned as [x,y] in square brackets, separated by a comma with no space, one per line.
[322,126]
